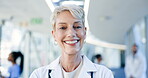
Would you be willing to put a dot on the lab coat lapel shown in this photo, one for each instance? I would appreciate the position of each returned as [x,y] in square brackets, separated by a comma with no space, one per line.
[84,74]
[57,73]
[87,67]
[56,69]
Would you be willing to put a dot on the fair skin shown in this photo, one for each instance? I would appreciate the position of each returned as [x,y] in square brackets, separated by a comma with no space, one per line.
[69,33]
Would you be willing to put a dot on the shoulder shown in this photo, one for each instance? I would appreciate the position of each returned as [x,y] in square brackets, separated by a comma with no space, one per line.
[141,57]
[102,68]
[39,71]
[43,68]
[128,58]
[103,71]
[14,67]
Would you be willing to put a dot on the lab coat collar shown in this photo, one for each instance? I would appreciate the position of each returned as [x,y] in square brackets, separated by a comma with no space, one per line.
[53,65]
[87,67]
[55,68]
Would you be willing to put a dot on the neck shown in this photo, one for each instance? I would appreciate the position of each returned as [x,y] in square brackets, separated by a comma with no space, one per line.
[70,62]
[13,63]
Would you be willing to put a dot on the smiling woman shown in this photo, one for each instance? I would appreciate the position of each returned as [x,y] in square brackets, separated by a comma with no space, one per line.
[69,32]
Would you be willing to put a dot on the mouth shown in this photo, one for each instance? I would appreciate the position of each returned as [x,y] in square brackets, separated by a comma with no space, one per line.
[71,41]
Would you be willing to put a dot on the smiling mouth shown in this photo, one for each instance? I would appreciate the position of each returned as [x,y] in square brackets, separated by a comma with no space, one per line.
[72,42]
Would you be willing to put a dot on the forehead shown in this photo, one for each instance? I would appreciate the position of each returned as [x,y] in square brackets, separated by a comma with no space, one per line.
[10,54]
[66,16]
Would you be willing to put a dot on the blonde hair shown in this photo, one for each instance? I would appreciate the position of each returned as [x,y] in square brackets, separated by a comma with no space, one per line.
[75,10]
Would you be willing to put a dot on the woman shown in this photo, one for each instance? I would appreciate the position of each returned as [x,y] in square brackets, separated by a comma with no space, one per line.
[69,32]
[15,70]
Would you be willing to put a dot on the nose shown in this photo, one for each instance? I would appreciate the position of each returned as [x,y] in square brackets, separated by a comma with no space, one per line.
[71,32]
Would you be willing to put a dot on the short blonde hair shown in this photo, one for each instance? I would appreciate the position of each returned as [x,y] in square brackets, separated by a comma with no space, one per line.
[75,10]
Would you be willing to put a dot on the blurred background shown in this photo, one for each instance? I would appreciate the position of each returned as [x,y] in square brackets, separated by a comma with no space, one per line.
[113,26]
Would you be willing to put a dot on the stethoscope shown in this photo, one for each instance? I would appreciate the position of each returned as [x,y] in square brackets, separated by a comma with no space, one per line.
[49,71]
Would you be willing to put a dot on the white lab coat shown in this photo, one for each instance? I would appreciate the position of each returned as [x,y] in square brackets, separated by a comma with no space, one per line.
[135,66]
[98,70]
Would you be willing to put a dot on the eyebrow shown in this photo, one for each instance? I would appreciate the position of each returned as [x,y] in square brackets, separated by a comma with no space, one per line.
[77,22]
[61,23]
[66,23]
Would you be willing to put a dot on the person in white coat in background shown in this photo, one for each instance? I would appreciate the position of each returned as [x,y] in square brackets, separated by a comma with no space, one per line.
[69,32]
[135,66]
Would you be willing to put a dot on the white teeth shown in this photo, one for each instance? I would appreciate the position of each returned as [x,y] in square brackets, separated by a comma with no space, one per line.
[71,42]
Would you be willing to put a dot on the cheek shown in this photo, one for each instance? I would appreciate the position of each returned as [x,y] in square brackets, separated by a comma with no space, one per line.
[58,37]
[10,58]
[82,35]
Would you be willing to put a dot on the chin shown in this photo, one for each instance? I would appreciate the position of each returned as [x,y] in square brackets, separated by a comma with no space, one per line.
[72,52]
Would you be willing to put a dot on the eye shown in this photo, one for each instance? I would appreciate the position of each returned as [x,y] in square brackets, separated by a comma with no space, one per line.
[63,28]
[77,27]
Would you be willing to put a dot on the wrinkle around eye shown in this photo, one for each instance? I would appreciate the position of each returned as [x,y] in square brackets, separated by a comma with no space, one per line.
[63,28]
[77,27]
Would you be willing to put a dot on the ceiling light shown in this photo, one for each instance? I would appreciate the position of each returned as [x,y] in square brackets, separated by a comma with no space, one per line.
[103,18]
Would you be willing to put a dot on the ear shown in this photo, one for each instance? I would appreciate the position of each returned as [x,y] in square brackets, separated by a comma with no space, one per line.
[53,34]
[85,30]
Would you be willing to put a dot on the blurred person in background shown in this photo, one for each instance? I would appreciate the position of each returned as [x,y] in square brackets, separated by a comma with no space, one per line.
[16,69]
[69,32]
[135,64]
[99,59]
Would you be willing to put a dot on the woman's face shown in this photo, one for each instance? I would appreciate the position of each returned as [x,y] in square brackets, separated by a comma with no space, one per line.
[69,33]
[10,57]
